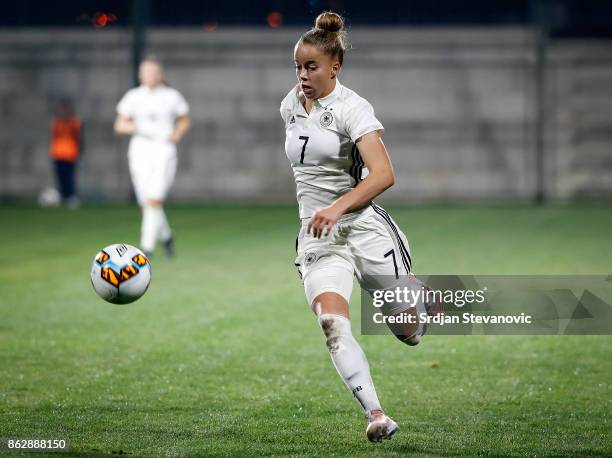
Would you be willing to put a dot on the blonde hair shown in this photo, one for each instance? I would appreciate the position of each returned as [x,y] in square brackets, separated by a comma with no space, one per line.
[152,59]
[328,35]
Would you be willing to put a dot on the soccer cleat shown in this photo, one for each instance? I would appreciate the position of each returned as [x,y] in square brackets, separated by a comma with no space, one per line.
[380,426]
[433,308]
[169,247]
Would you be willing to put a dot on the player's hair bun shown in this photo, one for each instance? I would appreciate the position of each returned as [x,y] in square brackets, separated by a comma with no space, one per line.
[330,22]
[328,34]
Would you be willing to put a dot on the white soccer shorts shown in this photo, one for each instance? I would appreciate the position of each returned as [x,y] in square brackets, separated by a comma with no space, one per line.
[369,246]
[152,170]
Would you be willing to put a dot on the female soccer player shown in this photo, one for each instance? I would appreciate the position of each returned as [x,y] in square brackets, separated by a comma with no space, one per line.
[340,164]
[157,117]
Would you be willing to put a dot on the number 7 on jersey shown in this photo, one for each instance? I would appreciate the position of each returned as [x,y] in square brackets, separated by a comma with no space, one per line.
[305,138]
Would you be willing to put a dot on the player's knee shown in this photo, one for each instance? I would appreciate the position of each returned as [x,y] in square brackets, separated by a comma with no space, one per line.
[153,203]
[329,303]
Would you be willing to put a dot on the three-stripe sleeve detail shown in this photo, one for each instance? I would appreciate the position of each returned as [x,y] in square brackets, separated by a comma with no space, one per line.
[357,165]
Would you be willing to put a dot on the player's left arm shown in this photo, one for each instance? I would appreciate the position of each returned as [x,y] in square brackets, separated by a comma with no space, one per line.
[182,125]
[380,178]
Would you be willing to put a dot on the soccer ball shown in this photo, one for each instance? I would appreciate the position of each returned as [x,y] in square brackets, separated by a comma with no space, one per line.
[120,273]
[49,197]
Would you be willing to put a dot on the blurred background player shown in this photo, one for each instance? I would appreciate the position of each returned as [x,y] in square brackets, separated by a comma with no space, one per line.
[157,118]
[340,164]
[65,148]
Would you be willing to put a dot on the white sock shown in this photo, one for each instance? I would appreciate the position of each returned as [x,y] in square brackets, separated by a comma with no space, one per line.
[349,359]
[149,230]
[164,228]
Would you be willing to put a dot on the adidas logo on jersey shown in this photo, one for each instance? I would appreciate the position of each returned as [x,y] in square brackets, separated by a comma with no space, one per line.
[292,121]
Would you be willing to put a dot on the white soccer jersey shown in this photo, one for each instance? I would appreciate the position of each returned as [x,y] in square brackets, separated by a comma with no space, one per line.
[154,111]
[151,155]
[321,145]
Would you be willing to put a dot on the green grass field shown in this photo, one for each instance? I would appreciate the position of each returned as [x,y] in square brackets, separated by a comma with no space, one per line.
[223,357]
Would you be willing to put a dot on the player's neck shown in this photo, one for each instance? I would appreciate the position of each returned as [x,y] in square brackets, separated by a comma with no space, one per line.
[308,103]
[152,87]
[329,90]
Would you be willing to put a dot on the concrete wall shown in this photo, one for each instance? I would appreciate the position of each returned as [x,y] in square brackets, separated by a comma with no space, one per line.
[458,106]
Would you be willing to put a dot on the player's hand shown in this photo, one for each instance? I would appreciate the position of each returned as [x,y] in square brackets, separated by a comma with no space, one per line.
[175,137]
[129,127]
[124,125]
[323,221]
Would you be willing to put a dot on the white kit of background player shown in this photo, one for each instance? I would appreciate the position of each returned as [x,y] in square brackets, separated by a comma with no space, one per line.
[156,116]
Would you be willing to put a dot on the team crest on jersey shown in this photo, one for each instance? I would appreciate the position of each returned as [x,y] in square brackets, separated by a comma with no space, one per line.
[310,258]
[326,119]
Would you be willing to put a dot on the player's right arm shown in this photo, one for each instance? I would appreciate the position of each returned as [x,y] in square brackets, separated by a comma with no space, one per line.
[380,178]
[126,108]
[124,125]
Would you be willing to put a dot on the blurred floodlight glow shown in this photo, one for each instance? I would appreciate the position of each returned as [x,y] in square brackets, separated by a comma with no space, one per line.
[275,19]
[100,19]
[210,26]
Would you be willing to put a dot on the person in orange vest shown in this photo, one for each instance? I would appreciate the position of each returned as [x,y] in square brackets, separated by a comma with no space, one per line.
[65,149]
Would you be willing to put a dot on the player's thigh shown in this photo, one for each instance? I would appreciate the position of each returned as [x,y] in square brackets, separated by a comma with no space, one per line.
[324,265]
[169,171]
[140,173]
[383,263]
[380,252]
[161,180]
[158,177]
[334,275]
